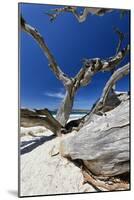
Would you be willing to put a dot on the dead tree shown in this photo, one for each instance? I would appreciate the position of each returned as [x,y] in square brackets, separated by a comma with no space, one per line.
[82,78]
[73,10]
[81,16]
[102,102]
[101,143]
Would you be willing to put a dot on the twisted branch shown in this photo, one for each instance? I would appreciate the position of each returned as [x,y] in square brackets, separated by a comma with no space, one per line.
[92,66]
[52,62]
[104,186]
[80,17]
[117,75]
[83,77]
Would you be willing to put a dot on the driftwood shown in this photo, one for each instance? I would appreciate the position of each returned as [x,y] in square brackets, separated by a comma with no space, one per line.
[29,118]
[108,101]
[34,118]
[105,185]
[103,144]
[82,78]
[80,17]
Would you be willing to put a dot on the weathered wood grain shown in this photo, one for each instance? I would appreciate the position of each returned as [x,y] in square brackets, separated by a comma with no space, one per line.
[103,145]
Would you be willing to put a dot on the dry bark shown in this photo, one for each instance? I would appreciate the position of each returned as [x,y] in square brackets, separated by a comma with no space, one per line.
[102,144]
[104,185]
[102,103]
[30,118]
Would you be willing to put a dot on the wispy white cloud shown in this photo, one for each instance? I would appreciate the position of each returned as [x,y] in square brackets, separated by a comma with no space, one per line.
[59,95]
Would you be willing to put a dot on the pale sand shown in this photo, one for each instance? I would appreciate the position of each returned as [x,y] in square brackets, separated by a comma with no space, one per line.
[42,173]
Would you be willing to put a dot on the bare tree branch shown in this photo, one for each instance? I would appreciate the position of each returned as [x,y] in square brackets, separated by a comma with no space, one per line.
[53,14]
[104,186]
[92,66]
[34,118]
[83,77]
[117,75]
[88,11]
[80,17]
[52,62]
[121,37]
[123,13]
[49,116]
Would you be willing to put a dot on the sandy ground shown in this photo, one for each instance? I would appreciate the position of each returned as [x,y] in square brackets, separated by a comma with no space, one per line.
[42,170]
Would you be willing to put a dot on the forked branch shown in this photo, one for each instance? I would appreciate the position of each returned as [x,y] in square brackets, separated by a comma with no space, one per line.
[92,66]
[117,75]
[83,77]
[52,62]
[81,17]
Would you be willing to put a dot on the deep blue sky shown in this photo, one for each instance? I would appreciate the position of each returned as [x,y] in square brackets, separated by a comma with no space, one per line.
[70,42]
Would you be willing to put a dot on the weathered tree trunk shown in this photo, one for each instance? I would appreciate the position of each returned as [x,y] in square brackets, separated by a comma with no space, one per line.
[103,144]
[65,108]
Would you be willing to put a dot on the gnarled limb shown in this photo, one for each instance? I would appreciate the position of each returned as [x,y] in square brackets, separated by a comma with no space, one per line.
[33,118]
[92,66]
[121,37]
[88,11]
[80,17]
[104,185]
[52,62]
[117,75]
[83,78]
[56,12]
[66,106]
